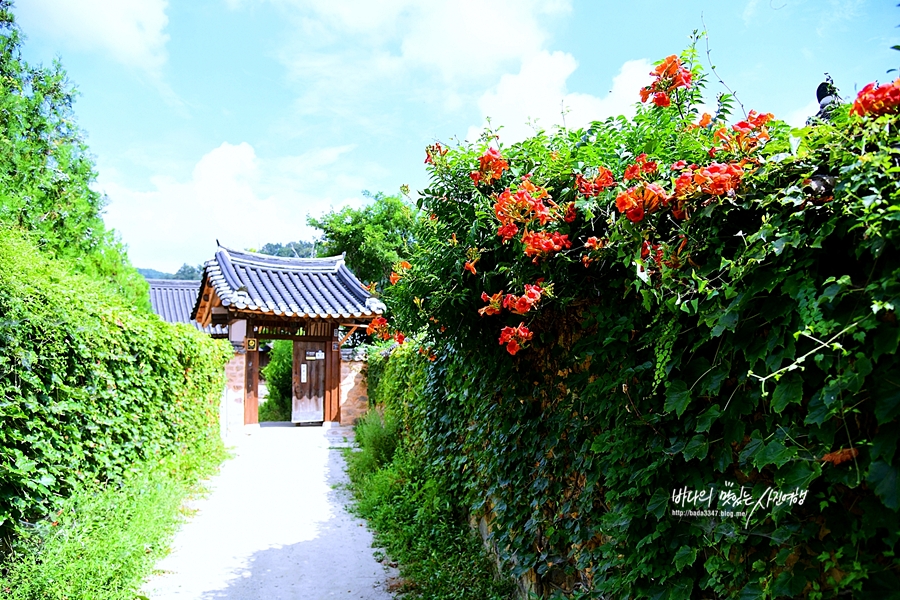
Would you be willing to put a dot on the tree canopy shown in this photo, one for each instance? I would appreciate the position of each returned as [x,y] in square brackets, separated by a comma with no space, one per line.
[374,237]
[46,170]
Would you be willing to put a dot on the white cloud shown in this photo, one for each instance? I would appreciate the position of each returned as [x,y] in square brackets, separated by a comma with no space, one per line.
[234,196]
[442,52]
[749,11]
[797,118]
[538,94]
[838,13]
[132,31]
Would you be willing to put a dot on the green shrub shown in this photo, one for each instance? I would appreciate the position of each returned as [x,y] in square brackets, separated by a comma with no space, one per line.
[278,373]
[107,537]
[90,388]
[419,525]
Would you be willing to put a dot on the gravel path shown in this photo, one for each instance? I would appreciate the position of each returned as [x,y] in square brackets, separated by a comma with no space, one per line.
[273,527]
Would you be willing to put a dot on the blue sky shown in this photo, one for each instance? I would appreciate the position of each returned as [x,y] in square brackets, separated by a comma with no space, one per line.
[235,119]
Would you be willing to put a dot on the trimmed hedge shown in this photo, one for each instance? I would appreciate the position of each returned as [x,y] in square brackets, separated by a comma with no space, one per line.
[90,388]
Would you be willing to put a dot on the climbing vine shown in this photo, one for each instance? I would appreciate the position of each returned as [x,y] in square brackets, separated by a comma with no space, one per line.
[681,301]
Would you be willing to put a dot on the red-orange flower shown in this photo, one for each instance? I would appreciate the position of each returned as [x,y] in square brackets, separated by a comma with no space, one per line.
[490,167]
[593,243]
[522,304]
[508,231]
[877,99]
[515,337]
[405,264]
[378,327]
[395,277]
[670,74]
[643,198]
[570,213]
[592,187]
[399,337]
[432,151]
[542,243]
[718,179]
[470,266]
[661,99]
[494,304]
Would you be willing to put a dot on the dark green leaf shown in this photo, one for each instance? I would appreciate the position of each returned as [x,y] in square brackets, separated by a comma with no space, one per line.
[677,397]
[883,478]
[789,390]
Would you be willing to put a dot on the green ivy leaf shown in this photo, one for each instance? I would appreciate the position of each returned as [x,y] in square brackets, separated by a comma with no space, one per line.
[788,391]
[685,557]
[752,591]
[886,341]
[678,396]
[883,478]
[696,448]
[709,416]
[797,475]
[658,503]
[887,396]
[774,453]
[885,444]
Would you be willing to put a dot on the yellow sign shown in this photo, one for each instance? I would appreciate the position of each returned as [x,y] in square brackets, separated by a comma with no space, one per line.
[251,344]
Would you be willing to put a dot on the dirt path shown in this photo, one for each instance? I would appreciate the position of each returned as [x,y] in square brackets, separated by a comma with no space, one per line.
[273,527]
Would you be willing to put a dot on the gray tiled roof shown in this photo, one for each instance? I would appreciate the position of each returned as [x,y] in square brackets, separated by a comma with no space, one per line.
[292,287]
[174,299]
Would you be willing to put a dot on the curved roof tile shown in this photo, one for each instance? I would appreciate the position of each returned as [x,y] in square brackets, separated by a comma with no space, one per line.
[173,300]
[302,287]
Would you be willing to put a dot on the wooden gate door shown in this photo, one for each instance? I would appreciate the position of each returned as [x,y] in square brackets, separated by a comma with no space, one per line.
[308,404]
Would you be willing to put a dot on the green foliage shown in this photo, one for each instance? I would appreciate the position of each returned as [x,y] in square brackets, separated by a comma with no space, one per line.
[277,374]
[299,249]
[106,538]
[46,171]
[375,237]
[378,434]
[405,499]
[90,388]
[188,272]
[753,343]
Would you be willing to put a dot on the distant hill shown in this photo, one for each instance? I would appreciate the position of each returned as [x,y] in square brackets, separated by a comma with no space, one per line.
[299,249]
[154,274]
[186,272]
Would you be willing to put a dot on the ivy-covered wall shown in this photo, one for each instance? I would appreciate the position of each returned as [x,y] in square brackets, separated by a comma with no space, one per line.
[91,387]
[680,304]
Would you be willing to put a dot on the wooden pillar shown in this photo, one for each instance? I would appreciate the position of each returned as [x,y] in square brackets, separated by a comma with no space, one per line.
[332,378]
[334,355]
[251,388]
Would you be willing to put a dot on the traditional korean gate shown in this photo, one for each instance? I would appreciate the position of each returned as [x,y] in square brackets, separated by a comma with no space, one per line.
[308,402]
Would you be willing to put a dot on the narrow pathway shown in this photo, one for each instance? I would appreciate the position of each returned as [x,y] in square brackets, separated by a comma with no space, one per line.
[273,527]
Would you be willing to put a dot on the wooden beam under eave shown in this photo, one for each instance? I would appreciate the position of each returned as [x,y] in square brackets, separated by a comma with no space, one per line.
[349,333]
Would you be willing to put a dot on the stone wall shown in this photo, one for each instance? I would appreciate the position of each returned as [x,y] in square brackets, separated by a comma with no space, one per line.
[354,395]
[233,398]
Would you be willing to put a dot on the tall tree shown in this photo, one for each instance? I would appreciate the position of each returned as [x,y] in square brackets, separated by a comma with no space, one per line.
[374,237]
[46,170]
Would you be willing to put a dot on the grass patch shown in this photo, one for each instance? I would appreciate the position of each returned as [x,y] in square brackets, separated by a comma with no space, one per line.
[416,521]
[106,539]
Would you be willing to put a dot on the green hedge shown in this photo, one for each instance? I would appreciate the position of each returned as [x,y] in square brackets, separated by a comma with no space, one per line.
[750,344]
[91,388]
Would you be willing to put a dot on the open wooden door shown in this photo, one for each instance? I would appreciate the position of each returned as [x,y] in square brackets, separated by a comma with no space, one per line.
[308,404]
